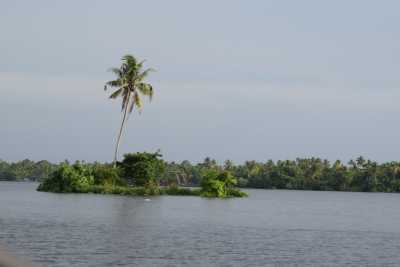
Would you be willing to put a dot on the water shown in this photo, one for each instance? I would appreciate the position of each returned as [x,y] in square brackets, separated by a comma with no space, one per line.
[270,228]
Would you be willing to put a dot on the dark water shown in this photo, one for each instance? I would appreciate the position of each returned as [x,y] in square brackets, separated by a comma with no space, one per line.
[270,228]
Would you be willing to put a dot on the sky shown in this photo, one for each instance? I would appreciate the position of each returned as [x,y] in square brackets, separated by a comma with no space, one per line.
[239,80]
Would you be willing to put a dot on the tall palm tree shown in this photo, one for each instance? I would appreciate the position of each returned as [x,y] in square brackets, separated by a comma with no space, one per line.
[130,84]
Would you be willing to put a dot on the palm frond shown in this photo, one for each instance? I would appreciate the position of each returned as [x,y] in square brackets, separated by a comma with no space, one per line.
[131,106]
[116,93]
[129,60]
[145,89]
[116,71]
[114,83]
[137,100]
[144,74]
[140,64]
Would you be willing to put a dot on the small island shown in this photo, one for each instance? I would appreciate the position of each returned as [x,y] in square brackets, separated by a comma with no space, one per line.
[135,175]
[138,174]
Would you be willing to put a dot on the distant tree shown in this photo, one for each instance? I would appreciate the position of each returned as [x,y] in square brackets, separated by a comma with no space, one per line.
[130,84]
[42,170]
[229,165]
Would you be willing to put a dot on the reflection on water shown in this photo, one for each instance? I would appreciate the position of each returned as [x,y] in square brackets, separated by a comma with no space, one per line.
[270,227]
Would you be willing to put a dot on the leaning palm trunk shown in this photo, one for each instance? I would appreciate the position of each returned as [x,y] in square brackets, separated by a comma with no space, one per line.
[119,136]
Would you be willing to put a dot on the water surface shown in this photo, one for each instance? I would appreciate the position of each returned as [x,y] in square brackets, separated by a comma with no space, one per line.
[270,228]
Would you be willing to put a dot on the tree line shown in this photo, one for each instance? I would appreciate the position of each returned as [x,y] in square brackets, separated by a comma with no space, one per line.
[303,173]
[26,170]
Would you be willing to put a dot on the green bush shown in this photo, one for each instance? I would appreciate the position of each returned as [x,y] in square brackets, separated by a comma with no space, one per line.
[233,192]
[69,178]
[219,184]
[142,169]
[106,174]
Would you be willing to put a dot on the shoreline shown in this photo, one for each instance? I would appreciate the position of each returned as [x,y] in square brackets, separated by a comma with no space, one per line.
[143,191]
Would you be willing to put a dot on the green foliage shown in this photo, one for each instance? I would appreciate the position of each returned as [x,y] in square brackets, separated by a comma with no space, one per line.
[211,186]
[227,178]
[26,169]
[69,178]
[301,174]
[242,182]
[7,175]
[219,184]
[142,169]
[234,192]
[134,191]
[106,174]
[148,170]
[130,83]
[181,173]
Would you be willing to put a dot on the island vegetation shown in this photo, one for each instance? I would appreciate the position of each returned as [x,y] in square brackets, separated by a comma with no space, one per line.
[135,175]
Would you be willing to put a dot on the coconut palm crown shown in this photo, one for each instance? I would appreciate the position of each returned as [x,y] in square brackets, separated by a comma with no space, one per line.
[130,85]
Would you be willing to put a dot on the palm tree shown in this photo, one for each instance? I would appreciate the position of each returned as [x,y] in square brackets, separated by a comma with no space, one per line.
[130,84]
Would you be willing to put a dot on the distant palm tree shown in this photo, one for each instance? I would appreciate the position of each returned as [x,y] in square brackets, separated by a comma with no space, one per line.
[130,85]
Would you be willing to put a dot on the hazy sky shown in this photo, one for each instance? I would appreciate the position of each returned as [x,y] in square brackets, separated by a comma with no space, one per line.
[235,79]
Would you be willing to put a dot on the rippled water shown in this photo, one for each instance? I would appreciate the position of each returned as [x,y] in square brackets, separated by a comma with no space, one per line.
[270,228]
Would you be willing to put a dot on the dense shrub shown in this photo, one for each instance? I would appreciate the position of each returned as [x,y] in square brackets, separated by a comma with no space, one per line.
[106,174]
[219,184]
[69,178]
[234,192]
[142,169]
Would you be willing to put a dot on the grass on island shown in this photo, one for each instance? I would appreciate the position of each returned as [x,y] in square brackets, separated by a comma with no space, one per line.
[145,191]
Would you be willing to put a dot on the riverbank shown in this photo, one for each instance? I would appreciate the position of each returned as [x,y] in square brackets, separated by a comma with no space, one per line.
[130,191]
